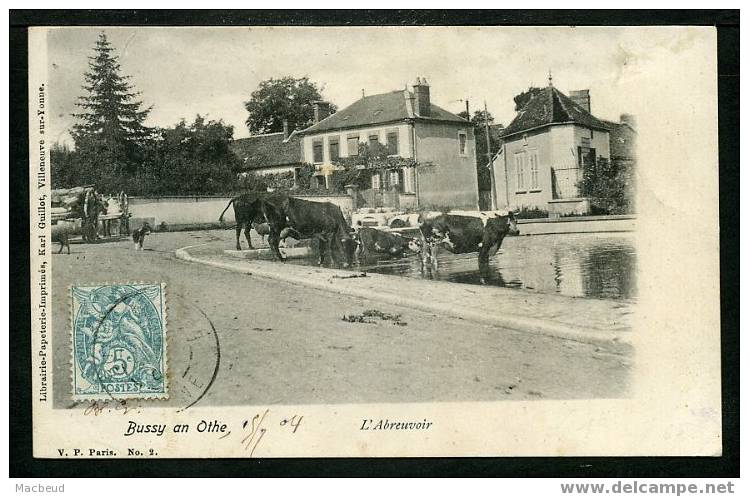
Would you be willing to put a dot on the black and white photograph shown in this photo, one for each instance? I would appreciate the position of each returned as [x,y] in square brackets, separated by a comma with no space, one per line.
[328,241]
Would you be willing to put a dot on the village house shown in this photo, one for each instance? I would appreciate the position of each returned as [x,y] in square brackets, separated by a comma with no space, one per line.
[270,153]
[545,148]
[411,127]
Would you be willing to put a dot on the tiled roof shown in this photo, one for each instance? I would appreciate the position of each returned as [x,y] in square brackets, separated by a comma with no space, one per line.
[551,106]
[377,109]
[268,150]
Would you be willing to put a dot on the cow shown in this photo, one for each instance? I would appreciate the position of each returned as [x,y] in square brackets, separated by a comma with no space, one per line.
[247,211]
[261,229]
[462,234]
[323,221]
[372,240]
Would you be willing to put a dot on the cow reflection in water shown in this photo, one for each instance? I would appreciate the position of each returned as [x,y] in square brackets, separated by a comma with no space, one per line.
[463,234]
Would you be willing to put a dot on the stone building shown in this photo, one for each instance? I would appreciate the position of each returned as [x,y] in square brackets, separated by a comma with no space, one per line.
[411,127]
[545,149]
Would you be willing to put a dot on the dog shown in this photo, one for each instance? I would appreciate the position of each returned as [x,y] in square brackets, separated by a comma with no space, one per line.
[61,232]
[139,235]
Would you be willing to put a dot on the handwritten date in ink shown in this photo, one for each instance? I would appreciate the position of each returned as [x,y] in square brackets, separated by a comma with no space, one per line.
[255,428]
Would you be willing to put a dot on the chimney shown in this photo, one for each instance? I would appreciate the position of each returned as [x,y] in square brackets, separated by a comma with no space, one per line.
[628,119]
[322,110]
[421,92]
[285,129]
[581,98]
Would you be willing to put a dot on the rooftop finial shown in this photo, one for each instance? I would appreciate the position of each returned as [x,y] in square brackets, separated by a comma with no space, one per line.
[550,80]
[362,93]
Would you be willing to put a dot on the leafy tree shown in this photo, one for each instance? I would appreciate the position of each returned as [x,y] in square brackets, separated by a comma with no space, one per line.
[609,185]
[523,98]
[479,119]
[63,166]
[191,158]
[281,99]
[109,133]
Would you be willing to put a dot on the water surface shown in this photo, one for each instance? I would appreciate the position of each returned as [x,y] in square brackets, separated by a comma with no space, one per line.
[594,265]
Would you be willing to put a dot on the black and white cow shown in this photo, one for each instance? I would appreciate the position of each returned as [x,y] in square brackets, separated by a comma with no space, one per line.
[463,234]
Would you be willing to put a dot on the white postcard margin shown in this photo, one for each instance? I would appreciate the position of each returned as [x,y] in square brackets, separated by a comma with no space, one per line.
[675,404]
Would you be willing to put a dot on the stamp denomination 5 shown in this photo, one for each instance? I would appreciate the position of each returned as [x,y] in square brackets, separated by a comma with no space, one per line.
[119,341]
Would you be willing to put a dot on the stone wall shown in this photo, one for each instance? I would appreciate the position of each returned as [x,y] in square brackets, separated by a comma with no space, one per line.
[186,212]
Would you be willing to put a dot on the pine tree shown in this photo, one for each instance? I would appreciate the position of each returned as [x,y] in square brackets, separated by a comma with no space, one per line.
[110,130]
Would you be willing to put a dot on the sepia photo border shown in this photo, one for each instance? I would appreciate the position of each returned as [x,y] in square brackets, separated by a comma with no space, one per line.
[22,462]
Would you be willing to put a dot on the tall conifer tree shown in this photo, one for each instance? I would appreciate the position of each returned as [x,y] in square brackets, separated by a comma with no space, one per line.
[110,130]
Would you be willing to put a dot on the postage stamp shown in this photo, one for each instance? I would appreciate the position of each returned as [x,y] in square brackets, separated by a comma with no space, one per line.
[119,341]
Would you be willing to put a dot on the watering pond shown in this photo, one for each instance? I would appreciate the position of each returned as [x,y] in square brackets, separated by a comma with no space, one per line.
[592,265]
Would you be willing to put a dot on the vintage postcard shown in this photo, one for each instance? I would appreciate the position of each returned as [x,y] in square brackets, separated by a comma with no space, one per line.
[374,241]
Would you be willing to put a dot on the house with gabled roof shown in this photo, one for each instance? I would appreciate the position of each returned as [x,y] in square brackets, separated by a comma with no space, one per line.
[544,151]
[440,143]
[269,153]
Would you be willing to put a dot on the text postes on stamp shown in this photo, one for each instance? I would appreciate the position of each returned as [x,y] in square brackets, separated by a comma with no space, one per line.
[119,341]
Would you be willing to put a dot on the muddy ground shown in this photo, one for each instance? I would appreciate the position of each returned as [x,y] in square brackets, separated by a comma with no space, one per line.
[235,339]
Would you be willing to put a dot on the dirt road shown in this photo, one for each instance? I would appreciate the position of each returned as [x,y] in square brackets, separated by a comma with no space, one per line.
[235,339]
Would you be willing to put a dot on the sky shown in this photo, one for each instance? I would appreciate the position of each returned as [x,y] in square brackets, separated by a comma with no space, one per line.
[212,71]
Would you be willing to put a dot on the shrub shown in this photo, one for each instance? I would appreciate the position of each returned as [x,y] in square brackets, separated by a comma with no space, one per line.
[532,213]
[609,185]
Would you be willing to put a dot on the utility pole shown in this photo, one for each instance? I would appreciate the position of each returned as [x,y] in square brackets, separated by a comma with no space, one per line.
[468,110]
[489,158]
[486,128]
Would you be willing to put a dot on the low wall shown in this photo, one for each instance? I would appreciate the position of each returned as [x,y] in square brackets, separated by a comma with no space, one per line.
[183,212]
[587,224]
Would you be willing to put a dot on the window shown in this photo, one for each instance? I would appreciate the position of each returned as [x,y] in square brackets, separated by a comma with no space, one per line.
[520,171]
[534,170]
[462,142]
[352,143]
[374,140]
[392,138]
[375,181]
[586,156]
[333,149]
[394,179]
[317,151]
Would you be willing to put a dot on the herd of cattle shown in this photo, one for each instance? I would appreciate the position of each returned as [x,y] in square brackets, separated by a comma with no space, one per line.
[281,216]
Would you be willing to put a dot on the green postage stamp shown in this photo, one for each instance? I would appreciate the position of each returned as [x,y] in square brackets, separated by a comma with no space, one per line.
[119,341]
